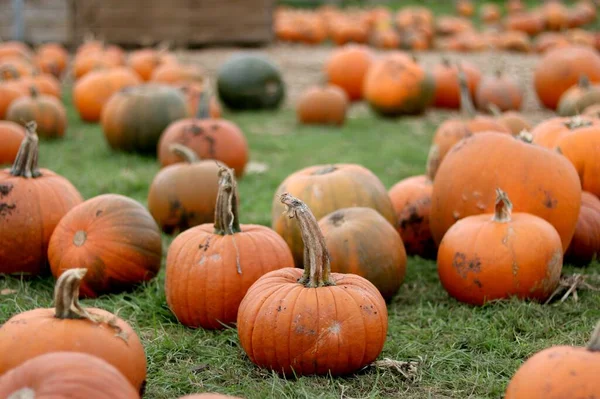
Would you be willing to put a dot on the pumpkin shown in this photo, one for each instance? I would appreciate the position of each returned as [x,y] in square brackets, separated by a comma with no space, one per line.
[52,58]
[585,246]
[113,237]
[501,90]
[32,201]
[225,259]
[490,13]
[548,133]
[347,67]
[396,85]
[145,61]
[342,317]
[541,182]
[593,111]
[576,99]
[560,68]
[87,62]
[514,7]
[326,105]
[15,48]
[531,23]
[9,91]
[68,327]
[134,118]
[411,198]
[11,136]
[349,30]
[556,15]
[465,8]
[175,199]
[66,375]
[209,138]
[514,121]
[13,68]
[338,186]
[548,40]
[451,131]
[45,83]
[250,81]
[482,259]
[514,41]
[583,13]
[193,93]
[360,241]
[414,40]
[411,16]
[91,92]
[47,111]
[172,73]
[447,89]
[386,39]
[559,372]
[448,25]
[581,37]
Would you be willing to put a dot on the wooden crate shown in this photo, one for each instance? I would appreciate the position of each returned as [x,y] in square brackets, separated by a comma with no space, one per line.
[42,21]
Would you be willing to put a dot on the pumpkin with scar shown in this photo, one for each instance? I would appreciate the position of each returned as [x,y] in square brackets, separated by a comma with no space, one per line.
[210,267]
[313,321]
[483,258]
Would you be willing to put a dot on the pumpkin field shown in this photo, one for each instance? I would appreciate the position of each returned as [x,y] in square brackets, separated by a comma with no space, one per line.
[391,200]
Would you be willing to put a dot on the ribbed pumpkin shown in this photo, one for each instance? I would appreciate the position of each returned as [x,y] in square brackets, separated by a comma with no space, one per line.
[540,182]
[66,375]
[360,241]
[322,106]
[559,372]
[585,246]
[411,199]
[500,90]
[327,188]
[549,132]
[47,111]
[11,136]
[92,91]
[397,85]
[447,88]
[342,318]
[32,201]
[145,61]
[52,58]
[483,258]
[560,68]
[68,327]
[113,237]
[347,67]
[575,100]
[134,118]
[184,194]
[224,259]
[172,73]
[10,90]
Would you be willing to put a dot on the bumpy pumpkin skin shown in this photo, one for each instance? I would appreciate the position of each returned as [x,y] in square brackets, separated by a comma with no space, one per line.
[112,236]
[11,136]
[322,106]
[47,111]
[135,117]
[538,181]
[327,188]
[585,245]
[347,67]
[411,199]
[551,131]
[66,375]
[360,241]
[447,90]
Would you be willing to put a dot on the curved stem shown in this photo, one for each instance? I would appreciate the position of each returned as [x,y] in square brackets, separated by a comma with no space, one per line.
[503,208]
[577,121]
[317,267]
[26,162]
[66,296]
[226,211]
[594,343]
[466,102]
[184,152]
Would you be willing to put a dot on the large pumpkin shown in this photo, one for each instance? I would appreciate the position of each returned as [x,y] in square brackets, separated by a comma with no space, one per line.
[447,86]
[66,375]
[327,188]
[347,67]
[575,100]
[341,317]
[585,246]
[483,258]
[113,237]
[11,136]
[134,118]
[360,241]
[225,259]
[32,201]
[549,132]
[248,81]
[46,111]
[539,181]
[501,90]
[560,68]
[322,106]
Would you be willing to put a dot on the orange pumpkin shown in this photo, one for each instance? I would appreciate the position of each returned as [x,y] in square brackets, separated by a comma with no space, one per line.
[548,40]
[322,106]
[225,258]
[349,30]
[13,68]
[347,68]
[66,375]
[575,100]
[548,133]
[514,121]
[581,37]
[145,61]
[11,136]
[44,83]
[483,259]
[501,90]
[560,68]
[52,58]
[541,182]
[585,246]
[48,112]
[68,327]
[593,111]
[193,93]
[341,317]
[413,16]
[531,23]
[386,39]
[490,13]
[514,41]
[559,372]
[448,25]
[92,60]
[514,6]
[15,49]
[447,88]
[9,92]
[465,8]
[173,73]
[556,15]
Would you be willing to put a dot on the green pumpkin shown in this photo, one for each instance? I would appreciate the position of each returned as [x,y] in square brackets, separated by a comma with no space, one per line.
[248,81]
[134,118]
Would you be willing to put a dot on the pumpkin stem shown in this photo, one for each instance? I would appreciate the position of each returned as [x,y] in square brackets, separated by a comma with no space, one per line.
[184,152]
[26,162]
[226,211]
[503,208]
[466,103]
[23,393]
[317,267]
[594,343]
[494,110]
[33,91]
[203,110]
[577,121]
[525,136]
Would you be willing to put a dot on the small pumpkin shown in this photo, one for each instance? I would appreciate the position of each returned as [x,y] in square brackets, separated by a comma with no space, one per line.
[347,67]
[66,375]
[15,48]
[514,7]
[513,120]
[85,63]
[556,15]
[448,25]
[47,111]
[548,40]
[145,61]
[559,372]
[52,58]
[322,106]
[13,68]
[593,111]
[11,136]
[172,73]
[465,8]
[447,88]
[490,13]
[386,38]
[10,90]
[501,90]
[531,23]
[576,99]
[482,259]
[225,259]
[69,327]
[585,246]
[314,309]
[514,41]
[549,132]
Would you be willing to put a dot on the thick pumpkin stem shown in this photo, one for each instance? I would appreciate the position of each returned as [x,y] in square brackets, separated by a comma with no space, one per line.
[226,212]
[23,393]
[26,162]
[66,296]
[525,137]
[594,344]
[503,208]
[466,103]
[184,152]
[317,267]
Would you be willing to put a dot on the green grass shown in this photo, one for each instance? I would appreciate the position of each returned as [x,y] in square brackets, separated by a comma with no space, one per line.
[462,351]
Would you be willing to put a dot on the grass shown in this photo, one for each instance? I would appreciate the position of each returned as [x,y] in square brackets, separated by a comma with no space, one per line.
[462,351]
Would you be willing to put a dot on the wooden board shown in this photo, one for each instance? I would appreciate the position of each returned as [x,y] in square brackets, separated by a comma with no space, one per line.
[43,21]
